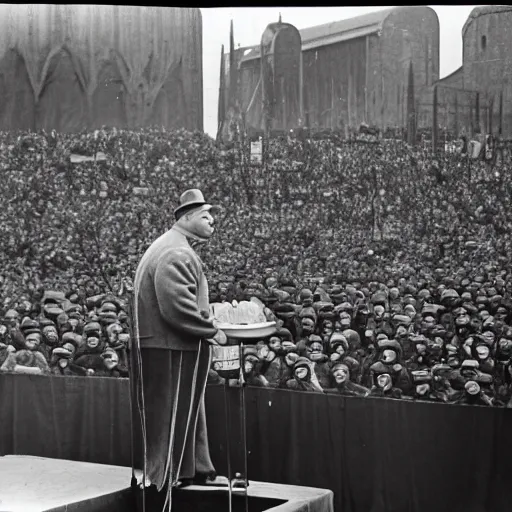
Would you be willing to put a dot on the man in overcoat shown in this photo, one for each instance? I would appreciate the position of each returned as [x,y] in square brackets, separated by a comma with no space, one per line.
[173,334]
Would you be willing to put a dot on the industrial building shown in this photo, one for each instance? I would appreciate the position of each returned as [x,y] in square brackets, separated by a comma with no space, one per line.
[352,71]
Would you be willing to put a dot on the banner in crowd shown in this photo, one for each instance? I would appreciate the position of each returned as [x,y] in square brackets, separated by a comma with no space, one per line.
[78,159]
[257,152]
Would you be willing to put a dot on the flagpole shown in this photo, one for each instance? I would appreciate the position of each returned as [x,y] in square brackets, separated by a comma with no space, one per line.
[221,112]
[263,92]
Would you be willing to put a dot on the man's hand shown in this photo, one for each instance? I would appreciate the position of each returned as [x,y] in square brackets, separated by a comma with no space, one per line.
[219,339]
[214,321]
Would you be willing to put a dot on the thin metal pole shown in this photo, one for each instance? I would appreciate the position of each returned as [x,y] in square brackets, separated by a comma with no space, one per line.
[228,441]
[136,395]
[244,425]
[301,89]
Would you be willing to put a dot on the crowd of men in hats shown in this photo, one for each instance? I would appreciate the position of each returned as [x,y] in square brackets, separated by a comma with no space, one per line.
[396,341]
[62,336]
[389,267]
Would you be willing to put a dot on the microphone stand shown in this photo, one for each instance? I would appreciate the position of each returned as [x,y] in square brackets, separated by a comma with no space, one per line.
[244,423]
[235,482]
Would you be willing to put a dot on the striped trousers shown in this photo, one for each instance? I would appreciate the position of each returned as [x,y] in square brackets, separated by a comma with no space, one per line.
[173,387]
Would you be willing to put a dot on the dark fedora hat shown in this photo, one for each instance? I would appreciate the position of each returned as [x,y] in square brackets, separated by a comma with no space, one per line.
[190,200]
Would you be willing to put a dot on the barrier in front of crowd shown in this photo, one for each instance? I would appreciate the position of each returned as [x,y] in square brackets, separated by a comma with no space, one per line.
[375,454]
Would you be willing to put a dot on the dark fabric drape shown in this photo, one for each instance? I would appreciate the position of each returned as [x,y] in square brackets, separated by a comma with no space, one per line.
[75,418]
[377,455]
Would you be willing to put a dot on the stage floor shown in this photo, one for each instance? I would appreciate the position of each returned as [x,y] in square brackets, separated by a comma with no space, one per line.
[38,484]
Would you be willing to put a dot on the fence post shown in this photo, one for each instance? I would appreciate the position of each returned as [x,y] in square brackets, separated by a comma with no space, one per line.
[500,129]
[456,114]
[490,109]
[434,121]
[477,113]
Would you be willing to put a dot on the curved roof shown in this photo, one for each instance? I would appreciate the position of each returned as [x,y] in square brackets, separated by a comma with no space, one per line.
[333,32]
[482,11]
[337,31]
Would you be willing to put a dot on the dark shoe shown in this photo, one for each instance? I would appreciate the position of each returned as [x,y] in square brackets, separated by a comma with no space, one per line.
[185,482]
[219,481]
[201,479]
[204,478]
[210,480]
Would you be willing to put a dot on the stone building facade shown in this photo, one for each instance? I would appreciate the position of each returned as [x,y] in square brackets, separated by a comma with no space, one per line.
[70,67]
[487,64]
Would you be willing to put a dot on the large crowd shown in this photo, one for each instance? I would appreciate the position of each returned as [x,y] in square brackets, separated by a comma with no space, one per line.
[387,268]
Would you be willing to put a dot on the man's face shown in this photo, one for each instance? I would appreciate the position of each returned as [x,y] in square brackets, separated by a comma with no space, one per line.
[341,375]
[200,223]
[327,327]
[475,323]
[32,341]
[345,320]
[401,333]
[12,318]
[501,314]
[384,381]
[472,388]
[422,389]
[388,356]
[111,362]
[315,351]
[124,339]
[428,323]
[469,373]
[421,349]
[462,318]
[263,352]
[113,333]
[505,346]
[489,338]
[223,287]
[93,341]
[482,352]
[484,315]
[50,333]
[396,308]
[307,326]
[301,372]
[248,366]
[379,312]
[274,343]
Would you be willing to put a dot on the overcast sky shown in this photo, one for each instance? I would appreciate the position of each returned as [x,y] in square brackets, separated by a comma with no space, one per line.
[250,22]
